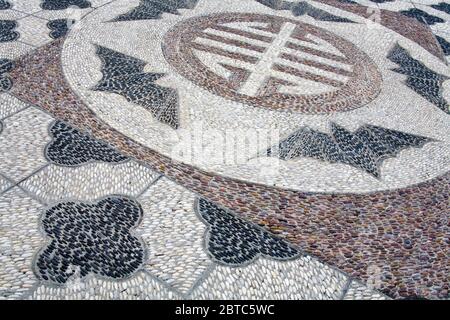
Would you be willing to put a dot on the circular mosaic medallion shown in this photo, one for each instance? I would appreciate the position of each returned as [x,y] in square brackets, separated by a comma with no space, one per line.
[273,62]
[243,91]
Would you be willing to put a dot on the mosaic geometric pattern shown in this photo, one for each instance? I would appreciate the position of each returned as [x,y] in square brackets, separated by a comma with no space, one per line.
[124,75]
[59,27]
[201,149]
[6,66]
[91,238]
[7,32]
[70,147]
[365,148]
[421,79]
[233,241]
[303,8]
[64,4]
[153,9]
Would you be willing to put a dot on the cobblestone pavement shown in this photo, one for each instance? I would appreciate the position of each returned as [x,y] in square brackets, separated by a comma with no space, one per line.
[224,149]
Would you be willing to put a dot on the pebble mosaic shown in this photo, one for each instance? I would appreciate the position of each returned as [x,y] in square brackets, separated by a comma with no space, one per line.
[7,31]
[4,5]
[89,182]
[64,4]
[70,147]
[123,75]
[349,200]
[6,83]
[95,238]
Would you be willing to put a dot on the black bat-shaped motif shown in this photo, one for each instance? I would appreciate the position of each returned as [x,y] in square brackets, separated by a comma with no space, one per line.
[366,148]
[124,75]
[302,8]
[421,79]
[153,9]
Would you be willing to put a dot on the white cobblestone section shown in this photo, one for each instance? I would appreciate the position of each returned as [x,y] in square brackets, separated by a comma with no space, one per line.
[22,143]
[303,278]
[10,105]
[4,184]
[89,182]
[14,49]
[11,14]
[28,6]
[358,291]
[19,241]
[174,235]
[139,287]
[33,31]
[72,12]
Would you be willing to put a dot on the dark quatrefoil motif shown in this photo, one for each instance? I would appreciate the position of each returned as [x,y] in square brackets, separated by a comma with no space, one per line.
[233,241]
[71,147]
[64,4]
[59,27]
[303,8]
[6,66]
[421,79]
[93,238]
[365,148]
[4,5]
[153,9]
[124,75]
[7,32]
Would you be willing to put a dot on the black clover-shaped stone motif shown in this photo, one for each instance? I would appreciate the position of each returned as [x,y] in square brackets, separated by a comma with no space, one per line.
[7,32]
[6,66]
[64,4]
[59,27]
[233,241]
[124,75]
[4,5]
[422,16]
[93,237]
[366,148]
[71,147]
[303,8]
[153,9]
[421,79]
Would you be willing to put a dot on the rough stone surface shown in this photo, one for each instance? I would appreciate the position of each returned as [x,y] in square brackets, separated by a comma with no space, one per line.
[253,149]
